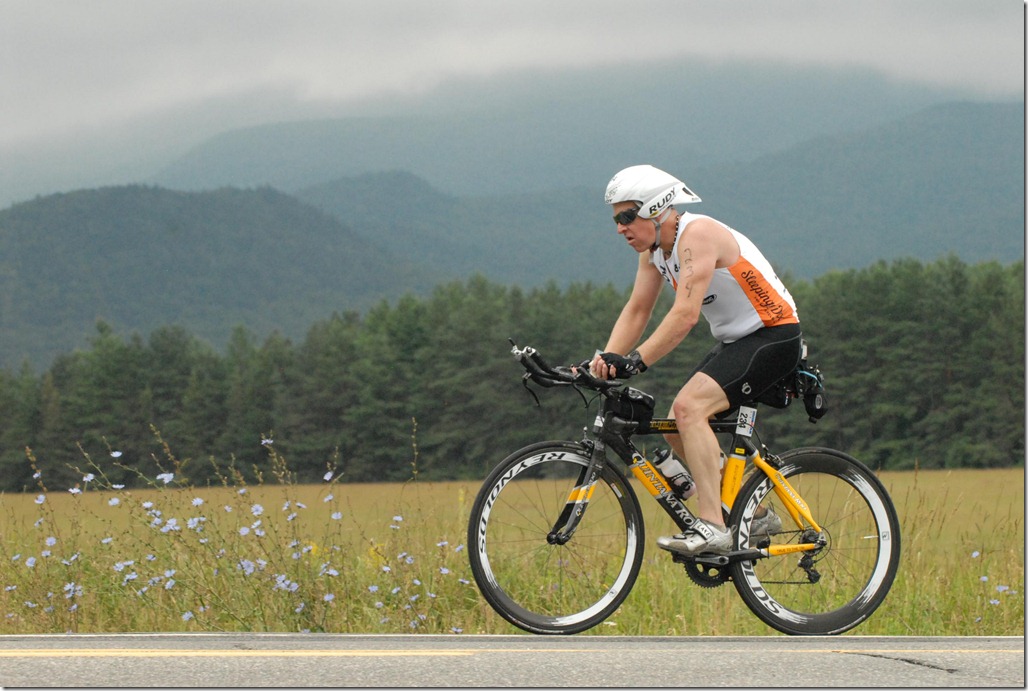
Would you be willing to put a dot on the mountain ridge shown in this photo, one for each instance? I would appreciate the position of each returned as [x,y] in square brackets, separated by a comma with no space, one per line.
[946,180]
[536,130]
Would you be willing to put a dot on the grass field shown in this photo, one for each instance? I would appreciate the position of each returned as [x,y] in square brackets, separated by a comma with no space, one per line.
[391,558]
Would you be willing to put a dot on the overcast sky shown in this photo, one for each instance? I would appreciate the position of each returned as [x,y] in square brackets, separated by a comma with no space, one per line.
[71,65]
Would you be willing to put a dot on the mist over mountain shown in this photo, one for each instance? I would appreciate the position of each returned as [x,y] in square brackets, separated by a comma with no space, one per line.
[539,131]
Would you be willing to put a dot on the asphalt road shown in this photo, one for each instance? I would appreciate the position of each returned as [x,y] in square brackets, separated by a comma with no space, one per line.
[291,660]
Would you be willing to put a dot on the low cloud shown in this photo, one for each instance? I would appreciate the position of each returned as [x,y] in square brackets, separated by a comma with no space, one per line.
[69,65]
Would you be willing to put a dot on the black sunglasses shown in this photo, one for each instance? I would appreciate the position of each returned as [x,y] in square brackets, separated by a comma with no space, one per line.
[626,216]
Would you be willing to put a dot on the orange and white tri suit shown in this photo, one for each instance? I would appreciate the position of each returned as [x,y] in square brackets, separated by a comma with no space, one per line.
[741,298]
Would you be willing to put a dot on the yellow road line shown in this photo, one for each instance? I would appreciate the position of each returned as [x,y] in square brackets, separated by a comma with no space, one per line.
[172,652]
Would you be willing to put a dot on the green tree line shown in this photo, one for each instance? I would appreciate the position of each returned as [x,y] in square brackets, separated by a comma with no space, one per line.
[924,366]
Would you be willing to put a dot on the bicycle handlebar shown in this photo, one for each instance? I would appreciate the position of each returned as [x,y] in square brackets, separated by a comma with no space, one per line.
[539,371]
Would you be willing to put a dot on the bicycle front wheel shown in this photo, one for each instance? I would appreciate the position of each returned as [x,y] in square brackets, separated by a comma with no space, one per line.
[552,588]
[834,588]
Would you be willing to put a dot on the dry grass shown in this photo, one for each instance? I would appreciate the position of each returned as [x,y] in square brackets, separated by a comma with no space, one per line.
[390,558]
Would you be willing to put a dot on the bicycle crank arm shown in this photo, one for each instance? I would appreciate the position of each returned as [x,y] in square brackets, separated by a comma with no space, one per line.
[722,559]
[745,554]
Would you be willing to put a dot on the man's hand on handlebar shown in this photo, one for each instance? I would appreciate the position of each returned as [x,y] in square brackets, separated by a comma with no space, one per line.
[540,372]
[614,366]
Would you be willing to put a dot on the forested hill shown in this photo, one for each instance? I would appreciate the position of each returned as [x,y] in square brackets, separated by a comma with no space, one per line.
[947,179]
[143,257]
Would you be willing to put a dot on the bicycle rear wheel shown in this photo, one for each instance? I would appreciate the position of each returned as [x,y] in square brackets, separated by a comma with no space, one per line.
[547,588]
[832,589]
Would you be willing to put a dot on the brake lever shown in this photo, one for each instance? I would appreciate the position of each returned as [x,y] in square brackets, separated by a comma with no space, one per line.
[540,372]
[524,382]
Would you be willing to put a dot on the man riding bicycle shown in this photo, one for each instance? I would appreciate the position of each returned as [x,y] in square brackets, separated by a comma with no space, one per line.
[719,273]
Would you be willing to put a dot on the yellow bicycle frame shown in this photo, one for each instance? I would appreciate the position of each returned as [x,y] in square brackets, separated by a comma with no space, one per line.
[731,482]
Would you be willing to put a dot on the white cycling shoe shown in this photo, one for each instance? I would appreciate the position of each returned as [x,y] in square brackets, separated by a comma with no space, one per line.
[767,525]
[703,537]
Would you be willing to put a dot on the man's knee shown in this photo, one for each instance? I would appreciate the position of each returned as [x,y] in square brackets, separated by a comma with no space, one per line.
[698,400]
[688,411]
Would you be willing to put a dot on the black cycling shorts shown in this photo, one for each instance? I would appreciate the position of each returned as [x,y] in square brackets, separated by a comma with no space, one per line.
[748,367]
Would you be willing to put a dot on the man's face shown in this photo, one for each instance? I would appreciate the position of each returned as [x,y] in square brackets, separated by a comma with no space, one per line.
[638,232]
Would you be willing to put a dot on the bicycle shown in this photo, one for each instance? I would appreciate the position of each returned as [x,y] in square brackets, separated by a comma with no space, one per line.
[556,531]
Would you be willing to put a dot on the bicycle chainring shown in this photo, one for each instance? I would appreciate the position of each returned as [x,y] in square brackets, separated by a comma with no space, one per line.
[707,575]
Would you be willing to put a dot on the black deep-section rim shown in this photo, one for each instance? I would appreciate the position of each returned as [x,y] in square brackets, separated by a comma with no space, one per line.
[614,503]
[864,544]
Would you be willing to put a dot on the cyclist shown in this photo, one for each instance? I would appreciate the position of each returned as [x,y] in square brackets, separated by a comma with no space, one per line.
[717,272]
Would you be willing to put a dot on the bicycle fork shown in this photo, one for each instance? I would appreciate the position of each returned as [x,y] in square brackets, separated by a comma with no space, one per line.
[578,499]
